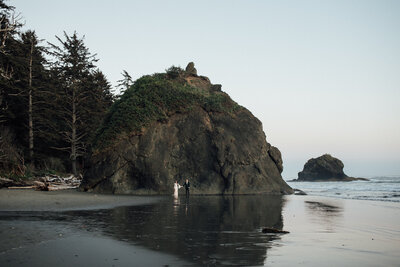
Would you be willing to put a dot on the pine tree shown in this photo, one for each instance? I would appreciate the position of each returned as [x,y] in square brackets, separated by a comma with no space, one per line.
[33,83]
[47,108]
[84,98]
[11,156]
[99,103]
[9,25]
[124,83]
[22,91]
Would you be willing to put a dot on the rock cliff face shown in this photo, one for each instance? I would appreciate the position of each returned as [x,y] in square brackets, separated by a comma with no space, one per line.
[324,168]
[216,144]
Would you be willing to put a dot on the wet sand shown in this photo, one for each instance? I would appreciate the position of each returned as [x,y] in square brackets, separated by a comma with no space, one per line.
[62,247]
[323,231]
[44,243]
[63,200]
[338,232]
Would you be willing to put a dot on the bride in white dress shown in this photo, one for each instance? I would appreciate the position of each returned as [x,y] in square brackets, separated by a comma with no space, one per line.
[176,188]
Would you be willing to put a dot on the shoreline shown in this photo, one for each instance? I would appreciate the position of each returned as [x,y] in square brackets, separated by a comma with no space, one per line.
[322,230]
[327,231]
[66,200]
[73,199]
[347,179]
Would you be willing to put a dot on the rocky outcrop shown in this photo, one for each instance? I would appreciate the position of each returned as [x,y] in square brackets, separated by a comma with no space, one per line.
[324,168]
[276,156]
[190,69]
[220,150]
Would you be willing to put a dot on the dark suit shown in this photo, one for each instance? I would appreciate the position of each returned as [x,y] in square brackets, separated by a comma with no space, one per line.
[187,187]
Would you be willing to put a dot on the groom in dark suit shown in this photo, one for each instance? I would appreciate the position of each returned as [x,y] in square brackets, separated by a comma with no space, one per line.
[186,185]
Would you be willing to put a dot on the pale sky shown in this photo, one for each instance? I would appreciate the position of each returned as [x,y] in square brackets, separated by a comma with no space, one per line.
[322,76]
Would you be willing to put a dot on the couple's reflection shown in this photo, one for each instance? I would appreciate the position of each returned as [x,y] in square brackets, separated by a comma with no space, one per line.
[205,230]
[177,203]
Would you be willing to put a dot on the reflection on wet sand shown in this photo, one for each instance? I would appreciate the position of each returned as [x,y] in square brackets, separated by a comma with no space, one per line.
[202,230]
[328,214]
[206,230]
[320,207]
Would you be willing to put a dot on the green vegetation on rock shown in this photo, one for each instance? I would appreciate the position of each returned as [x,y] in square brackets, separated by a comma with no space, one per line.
[155,98]
[176,125]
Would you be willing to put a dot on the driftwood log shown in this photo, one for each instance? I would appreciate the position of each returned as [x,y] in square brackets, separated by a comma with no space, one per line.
[5,182]
[46,183]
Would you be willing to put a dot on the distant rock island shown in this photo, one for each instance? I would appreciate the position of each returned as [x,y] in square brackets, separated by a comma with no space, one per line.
[178,125]
[324,168]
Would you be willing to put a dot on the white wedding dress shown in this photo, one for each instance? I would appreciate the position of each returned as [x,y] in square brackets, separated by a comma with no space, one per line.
[176,188]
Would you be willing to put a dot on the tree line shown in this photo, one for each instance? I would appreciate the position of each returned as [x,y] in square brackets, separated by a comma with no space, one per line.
[52,99]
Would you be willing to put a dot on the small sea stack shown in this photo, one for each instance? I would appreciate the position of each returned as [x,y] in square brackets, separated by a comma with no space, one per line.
[324,168]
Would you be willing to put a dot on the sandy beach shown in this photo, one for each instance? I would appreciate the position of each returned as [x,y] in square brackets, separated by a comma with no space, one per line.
[68,228]
[45,243]
[338,232]
[63,200]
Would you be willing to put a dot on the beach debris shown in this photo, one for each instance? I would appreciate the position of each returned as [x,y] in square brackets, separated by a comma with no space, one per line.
[45,183]
[54,182]
[5,182]
[41,185]
[268,230]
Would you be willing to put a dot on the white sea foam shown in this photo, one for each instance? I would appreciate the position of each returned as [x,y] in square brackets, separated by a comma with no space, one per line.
[385,188]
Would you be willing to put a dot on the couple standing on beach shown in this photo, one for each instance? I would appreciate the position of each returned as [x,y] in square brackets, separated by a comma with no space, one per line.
[177,186]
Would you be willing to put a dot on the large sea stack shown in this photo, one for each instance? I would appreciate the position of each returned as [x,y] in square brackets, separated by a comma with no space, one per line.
[324,168]
[177,125]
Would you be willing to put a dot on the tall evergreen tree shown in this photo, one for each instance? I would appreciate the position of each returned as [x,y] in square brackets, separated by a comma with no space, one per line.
[34,82]
[84,95]
[46,111]
[124,83]
[11,156]
[99,103]
[22,91]
[9,25]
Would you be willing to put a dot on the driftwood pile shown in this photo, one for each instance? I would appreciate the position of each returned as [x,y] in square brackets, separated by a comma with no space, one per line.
[46,183]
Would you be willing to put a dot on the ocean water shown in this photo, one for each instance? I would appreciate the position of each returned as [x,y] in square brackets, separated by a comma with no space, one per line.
[385,188]
[200,231]
[207,231]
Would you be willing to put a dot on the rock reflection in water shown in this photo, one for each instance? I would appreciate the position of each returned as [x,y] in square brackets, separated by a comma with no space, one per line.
[204,230]
[328,214]
[323,209]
